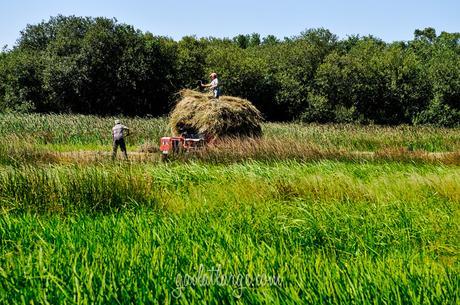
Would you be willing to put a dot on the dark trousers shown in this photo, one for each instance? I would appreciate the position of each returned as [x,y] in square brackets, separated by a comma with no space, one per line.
[122,145]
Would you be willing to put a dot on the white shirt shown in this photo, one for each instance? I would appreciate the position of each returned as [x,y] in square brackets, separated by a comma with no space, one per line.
[117,131]
[214,83]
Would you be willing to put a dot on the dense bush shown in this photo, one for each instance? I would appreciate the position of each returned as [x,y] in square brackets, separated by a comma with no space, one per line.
[374,82]
[99,66]
[89,65]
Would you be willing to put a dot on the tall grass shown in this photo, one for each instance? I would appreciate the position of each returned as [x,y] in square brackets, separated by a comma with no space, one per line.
[67,132]
[78,130]
[18,153]
[331,232]
[335,214]
[367,138]
[107,187]
[238,150]
[50,138]
[138,257]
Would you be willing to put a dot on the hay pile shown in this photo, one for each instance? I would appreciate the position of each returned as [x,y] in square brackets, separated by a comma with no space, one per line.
[200,114]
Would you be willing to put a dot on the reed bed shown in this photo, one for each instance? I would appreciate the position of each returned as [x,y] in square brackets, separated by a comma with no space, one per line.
[18,151]
[327,232]
[333,214]
[75,132]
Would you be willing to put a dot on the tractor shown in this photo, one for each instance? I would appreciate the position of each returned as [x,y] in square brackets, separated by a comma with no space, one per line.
[175,145]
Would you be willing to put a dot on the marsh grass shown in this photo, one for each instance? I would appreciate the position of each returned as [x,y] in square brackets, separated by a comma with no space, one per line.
[104,187]
[78,130]
[333,232]
[340,214]
[367,137]
[238,150]
[94,132]
[16,151]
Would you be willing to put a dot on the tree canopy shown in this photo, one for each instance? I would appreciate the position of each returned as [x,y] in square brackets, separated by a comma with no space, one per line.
[100,66]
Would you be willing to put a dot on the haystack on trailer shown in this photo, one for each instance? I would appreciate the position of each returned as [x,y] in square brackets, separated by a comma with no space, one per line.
[199,118]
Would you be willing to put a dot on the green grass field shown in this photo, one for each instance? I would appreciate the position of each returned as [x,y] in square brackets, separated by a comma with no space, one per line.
[312,214]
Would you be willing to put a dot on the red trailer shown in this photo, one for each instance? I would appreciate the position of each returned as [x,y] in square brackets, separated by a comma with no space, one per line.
[175,145]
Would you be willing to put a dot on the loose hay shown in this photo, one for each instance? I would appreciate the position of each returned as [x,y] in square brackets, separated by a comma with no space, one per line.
[199,113]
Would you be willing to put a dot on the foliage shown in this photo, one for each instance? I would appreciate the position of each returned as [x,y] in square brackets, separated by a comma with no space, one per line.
[438,113]
[90,65]
[243,74]
[99,66]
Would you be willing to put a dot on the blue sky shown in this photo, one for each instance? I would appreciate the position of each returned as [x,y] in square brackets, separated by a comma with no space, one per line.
[389,20]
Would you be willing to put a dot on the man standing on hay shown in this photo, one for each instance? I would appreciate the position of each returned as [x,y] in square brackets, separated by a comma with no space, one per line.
[213,85]
[118,136]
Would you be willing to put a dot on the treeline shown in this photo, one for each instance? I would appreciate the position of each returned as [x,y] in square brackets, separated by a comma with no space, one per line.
[99,66]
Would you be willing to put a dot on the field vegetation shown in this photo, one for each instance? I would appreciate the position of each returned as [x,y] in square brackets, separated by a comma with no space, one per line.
[316,214]
[351,195]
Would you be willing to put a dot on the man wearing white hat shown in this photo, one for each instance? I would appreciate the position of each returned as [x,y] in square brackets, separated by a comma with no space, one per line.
[119,132]
[213,85]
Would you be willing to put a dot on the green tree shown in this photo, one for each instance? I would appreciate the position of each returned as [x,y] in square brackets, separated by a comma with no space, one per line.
[270,40]
[191,61]
[242,41]
[427,34]
[254,40]
[95,65]
[293,65]
[375,82]
[243,73]
[20,81]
